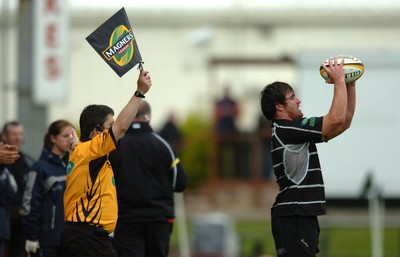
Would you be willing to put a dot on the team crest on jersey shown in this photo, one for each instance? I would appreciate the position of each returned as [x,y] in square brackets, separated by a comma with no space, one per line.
[70,166]
[308,121]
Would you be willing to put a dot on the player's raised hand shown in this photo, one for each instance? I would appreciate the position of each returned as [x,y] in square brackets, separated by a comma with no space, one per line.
[334,69]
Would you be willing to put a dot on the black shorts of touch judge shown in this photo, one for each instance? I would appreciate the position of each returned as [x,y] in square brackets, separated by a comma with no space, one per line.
[82,239]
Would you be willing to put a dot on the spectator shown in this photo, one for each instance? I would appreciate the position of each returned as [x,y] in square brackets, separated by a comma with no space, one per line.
[13,134]
[171,133]
[44,193]
[147,174]
[227,142]
[226,113]
[8,190]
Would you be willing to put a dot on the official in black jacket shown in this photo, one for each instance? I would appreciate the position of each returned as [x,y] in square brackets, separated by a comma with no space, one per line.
[147,174]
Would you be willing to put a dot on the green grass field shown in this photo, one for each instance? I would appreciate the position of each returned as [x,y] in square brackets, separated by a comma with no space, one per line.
[256,239]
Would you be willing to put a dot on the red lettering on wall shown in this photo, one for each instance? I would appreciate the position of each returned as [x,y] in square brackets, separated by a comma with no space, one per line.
[51,6]
[52,68]
[51,35]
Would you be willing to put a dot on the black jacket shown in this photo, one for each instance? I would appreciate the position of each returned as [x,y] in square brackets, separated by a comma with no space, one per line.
[8,190]
[144,176]
[20,170]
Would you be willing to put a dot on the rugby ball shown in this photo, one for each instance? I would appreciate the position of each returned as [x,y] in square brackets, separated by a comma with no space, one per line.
[353,67]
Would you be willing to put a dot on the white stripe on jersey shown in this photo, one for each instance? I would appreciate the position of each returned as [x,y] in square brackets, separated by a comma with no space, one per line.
[301,186]
[279,164]
[295,128]
[278,148]
[299,203]
[314,169]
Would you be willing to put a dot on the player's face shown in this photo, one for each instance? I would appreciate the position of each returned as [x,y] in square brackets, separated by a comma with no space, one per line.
[292,106]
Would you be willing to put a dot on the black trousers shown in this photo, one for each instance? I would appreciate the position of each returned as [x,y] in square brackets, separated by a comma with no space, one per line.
[83,240]
[16,245]
[142,239]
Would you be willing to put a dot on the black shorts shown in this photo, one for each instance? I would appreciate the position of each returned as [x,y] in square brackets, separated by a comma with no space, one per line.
[81,239]
[142,239]
[295,236]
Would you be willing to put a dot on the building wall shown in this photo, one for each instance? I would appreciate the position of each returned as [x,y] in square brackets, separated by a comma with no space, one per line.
[177,52]
[177,46]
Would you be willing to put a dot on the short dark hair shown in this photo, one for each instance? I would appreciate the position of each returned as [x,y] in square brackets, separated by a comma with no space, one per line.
[92,116]
[54,129]
[144,109]
[9,124]
[271,95]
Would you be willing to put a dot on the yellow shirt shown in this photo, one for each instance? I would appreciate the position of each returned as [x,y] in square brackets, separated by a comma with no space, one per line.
[90,195]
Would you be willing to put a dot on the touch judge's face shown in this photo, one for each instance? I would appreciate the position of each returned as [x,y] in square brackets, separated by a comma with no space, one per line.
[108,123]
[101,127]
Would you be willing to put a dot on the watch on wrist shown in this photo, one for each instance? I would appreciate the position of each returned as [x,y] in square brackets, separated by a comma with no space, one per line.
[138,94]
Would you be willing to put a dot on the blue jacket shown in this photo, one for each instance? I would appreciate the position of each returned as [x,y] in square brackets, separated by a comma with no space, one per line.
[43,199]
[8,190]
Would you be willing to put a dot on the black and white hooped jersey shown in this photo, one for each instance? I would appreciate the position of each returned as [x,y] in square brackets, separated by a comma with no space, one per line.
[297,167]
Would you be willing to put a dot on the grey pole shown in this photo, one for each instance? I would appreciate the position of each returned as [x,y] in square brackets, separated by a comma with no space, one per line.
[31,115]
[4,56]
